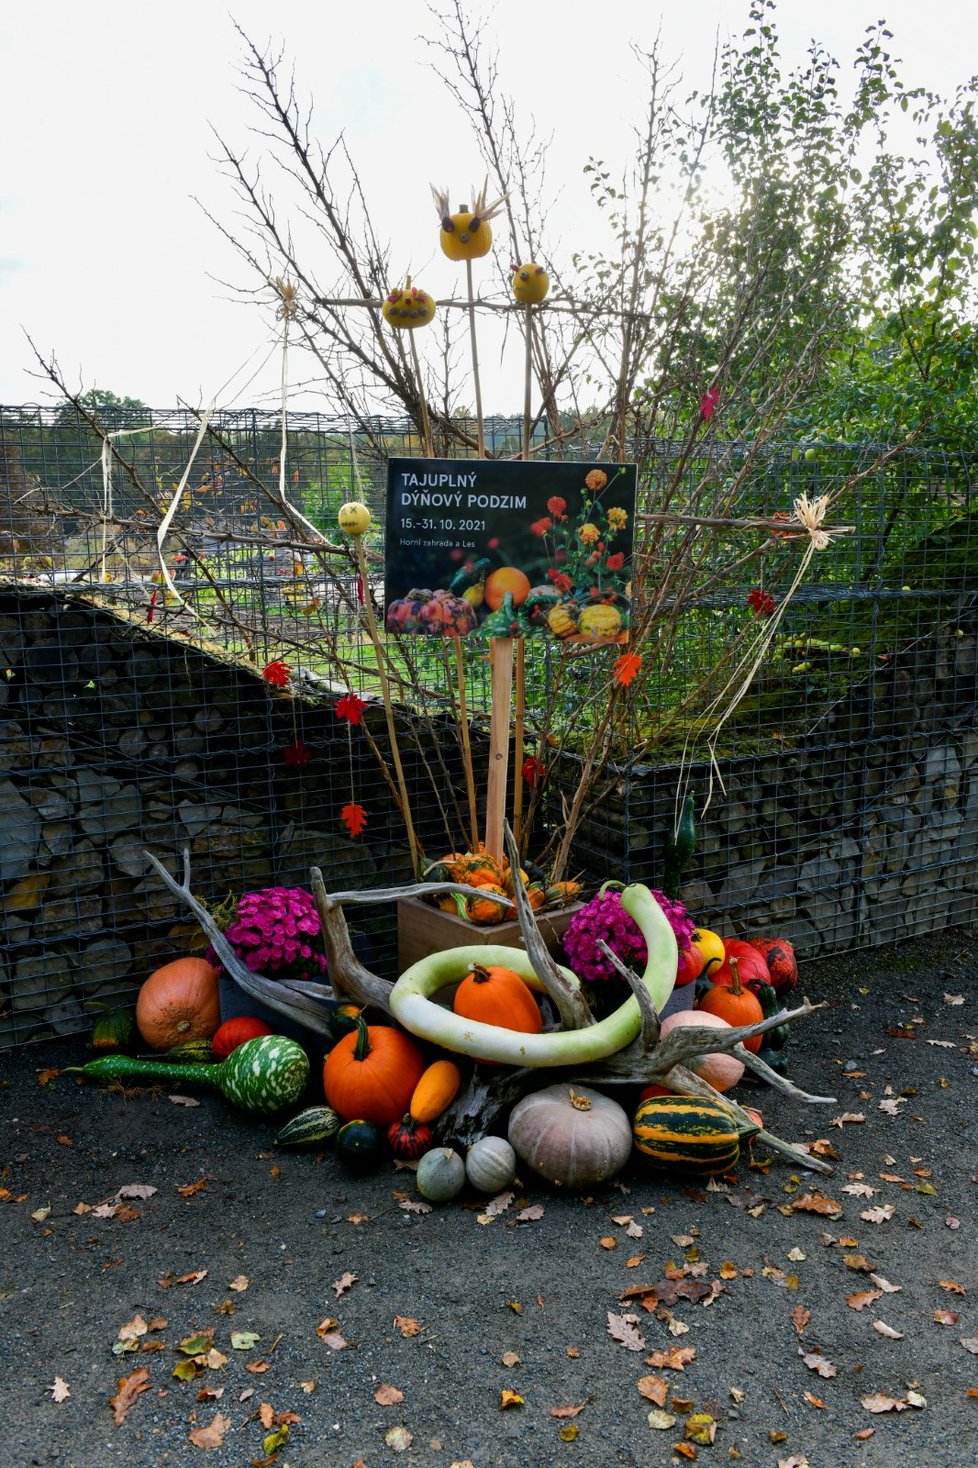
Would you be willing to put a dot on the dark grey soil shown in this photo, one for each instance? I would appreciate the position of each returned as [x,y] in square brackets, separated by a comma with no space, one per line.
[293,1224]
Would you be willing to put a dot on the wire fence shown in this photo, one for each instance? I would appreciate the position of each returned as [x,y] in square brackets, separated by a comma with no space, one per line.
[133,716]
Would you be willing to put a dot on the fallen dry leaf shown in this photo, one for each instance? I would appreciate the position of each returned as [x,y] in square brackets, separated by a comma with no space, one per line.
[240,1282]
[498,1205]
[567,1411]
[815,1401]
[659,1420]
[407,1325]
[530,1214]
[211,1436]
[815,1361]
[954,999]
[953,1286]
[509,1398]
[885,1286]
[387,1396]
[184,1100]
[677,1358]
[970,1343]
[816,1203]
[654,1388]
[129,1389]
[624,1329]
[59,1390]
[700,1428]
[133,1329]
[864,1433]
[881,1214]
[862,1298]
[345,1282]
[398,1439]
[194,1277]
[859,1190]
[881,1328]
[190,1190]
[847,1117]
[946,1317]
[634,1261]
[414,1205]
[800,1318]
[608,1242]
[858,1261]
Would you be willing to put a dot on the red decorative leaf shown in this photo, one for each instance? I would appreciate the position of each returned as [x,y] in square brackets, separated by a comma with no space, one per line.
[298,753]
[533,770]
[760,602]
[626,667]
[277,674]
[354,818]
[351,708]
[708,402]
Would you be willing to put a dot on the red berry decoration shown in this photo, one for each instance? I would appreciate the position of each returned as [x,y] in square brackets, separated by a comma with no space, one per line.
[782,965]
[234,1032]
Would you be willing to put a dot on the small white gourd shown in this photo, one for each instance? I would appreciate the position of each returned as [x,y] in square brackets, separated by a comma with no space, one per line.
[441,1175]
[490,1164]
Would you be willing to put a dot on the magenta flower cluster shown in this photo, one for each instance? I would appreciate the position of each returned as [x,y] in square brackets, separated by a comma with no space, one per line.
[275,932]
[604,917]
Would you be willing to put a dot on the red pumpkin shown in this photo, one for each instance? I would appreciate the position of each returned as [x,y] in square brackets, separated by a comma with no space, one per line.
[737,1005]
[690,966]
[751,964]
[178,1003]
[410,1139]
[782,965]
[655,1090]
[404,614]
[371,1073]
[234,1032]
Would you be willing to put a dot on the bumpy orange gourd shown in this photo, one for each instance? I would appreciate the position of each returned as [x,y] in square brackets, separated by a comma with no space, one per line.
[178,1003]
[370,1074]
[498,996]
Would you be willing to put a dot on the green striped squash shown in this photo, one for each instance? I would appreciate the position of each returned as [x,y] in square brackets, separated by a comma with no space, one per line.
[265,1074]
[315,1127]
[686,1134]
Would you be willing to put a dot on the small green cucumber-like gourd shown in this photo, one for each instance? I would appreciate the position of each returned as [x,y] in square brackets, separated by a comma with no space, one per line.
[315,1127]
[490,1164]
[688,1135]
[441,1175]
[413,1007]
[261,1076]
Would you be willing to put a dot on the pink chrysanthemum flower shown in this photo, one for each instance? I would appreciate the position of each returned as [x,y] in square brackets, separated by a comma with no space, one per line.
[604,917]
[275,932]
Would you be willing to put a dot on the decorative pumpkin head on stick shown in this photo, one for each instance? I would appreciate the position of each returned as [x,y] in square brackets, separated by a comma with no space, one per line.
[466,234]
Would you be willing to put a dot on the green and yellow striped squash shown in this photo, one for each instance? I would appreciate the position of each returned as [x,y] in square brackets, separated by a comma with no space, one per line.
[315,1127]
[686,1134]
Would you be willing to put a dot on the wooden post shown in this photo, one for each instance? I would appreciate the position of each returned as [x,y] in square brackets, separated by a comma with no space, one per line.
[463,716]
[501,664]
[480,426]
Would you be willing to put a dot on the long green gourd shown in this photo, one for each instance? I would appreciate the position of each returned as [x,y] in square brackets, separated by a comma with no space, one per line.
[261,1076]
[412,1005]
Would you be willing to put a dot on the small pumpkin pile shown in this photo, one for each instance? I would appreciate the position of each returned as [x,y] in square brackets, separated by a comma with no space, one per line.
[751,984]
[491,879]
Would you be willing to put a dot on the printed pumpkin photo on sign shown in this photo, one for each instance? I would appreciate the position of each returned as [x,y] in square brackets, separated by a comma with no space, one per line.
[502,548]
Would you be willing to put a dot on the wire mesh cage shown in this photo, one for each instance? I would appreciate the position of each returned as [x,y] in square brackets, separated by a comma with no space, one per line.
[140,708]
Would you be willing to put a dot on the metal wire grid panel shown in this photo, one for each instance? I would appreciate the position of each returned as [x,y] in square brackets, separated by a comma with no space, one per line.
[848,807]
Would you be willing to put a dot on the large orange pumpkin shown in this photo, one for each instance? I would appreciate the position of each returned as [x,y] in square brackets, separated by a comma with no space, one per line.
[178,1003]
[370,1074]
[738,1006]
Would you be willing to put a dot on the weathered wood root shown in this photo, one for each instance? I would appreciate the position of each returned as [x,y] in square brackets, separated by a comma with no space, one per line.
[569,1000]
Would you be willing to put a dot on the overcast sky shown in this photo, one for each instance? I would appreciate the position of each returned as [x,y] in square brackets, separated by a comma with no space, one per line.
[106,117]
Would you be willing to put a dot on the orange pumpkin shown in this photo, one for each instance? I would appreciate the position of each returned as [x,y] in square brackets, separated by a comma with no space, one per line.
[498,996]
[507,579]
[738,1006]
[178,1003]
[371,1073]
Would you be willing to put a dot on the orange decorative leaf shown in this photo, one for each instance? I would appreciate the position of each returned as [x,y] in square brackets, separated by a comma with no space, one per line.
[626,667]
[129,1389]
[354,818]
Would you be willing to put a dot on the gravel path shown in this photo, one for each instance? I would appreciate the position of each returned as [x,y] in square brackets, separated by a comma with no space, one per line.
[453,1310]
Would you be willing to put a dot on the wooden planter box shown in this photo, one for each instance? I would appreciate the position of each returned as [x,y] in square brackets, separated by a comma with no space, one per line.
[423,930]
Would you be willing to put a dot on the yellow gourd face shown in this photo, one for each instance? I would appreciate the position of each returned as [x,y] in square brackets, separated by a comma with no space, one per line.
[354,518]
[465,236]
[408,308]
[530,284]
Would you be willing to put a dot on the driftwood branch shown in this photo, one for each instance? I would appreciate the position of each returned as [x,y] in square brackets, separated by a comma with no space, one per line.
[688,1084]
[649,1036]
[568,999]
[297,1003]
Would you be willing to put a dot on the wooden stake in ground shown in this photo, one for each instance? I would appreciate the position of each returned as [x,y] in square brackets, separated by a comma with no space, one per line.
[463,718]
[501,666]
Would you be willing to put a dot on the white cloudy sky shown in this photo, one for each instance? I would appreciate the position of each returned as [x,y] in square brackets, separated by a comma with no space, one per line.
[106,111]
